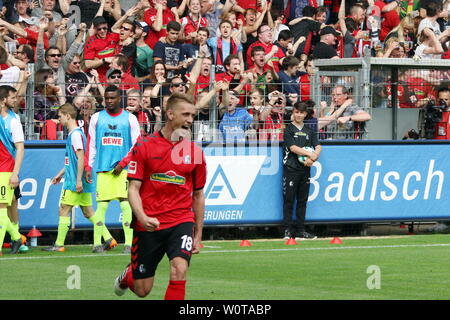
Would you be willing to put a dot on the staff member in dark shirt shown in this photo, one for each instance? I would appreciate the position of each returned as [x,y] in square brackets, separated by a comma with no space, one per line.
[297,170]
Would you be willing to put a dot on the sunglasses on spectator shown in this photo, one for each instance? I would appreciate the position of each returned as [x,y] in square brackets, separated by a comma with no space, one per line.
[59,55]
[115,77]
[76,62]
[176,85]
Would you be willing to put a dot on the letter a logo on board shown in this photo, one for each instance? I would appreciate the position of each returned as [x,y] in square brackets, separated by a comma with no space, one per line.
[230,178]
[218,182]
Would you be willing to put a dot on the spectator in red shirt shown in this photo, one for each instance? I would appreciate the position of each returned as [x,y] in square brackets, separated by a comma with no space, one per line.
[204,79]
[158,18]
[100,48]
[126,29]
[233,70]
[121,62]
[273,53]
[193,21]
[28,35]
[358,14]
[389,17]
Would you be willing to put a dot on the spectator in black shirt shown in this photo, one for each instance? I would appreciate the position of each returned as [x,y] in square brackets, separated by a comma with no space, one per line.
[325,48]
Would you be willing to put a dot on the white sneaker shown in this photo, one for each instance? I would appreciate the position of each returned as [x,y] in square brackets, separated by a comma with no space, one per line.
[119,288]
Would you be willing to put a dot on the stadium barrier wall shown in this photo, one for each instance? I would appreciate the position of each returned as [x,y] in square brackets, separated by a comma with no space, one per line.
[351,182]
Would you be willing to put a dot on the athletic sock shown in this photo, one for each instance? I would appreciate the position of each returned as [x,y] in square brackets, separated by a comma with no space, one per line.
[63,228]
[4,222]
[129,280]
[127,215]
[13,230]
[176,290]
[97,230]
[100,215]
[15,225]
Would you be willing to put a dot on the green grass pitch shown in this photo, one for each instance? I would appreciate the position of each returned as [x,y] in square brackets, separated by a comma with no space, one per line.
[406,267]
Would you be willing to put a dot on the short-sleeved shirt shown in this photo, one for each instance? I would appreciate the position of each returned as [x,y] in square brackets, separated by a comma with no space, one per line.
[427,23]
[11,132]
[32,38]
[351,129]
[267,48]
[74,84]
[150,17]
[190,25]
[305,137]
[101,48]
[324,51]
[169,174]
[144,60]
[171,54]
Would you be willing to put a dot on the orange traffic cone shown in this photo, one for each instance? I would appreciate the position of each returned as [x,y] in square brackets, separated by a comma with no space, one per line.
[336,240]
[290,242]
[245,243]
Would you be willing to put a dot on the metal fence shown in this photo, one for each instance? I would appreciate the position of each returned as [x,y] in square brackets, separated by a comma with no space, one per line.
[374,86]
[408,84]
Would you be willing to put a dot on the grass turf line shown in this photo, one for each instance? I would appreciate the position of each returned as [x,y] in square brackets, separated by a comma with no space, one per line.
[413,267]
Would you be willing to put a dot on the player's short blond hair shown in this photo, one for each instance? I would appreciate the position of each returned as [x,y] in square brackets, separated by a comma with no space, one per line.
[68,108]
[176,98]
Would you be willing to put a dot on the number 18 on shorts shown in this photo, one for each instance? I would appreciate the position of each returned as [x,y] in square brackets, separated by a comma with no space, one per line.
[149,248]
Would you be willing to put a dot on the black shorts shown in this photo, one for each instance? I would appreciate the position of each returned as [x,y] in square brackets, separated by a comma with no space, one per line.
[149,248]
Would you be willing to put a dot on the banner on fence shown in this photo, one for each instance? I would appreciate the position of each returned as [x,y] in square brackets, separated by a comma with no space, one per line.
[348,183]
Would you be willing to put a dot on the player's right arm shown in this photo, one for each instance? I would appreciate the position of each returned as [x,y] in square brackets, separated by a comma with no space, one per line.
[136,173]
[150,224]
[198,206]
[57,179]
[198,201]
[92,148]
[14,180]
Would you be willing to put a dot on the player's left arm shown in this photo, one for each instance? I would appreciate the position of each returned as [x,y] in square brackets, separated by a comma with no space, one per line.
[18,139]
[20,150]
[80,169]
[135,133]
[198,205]
[198,198]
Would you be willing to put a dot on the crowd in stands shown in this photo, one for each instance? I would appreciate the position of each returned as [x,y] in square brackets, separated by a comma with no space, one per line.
[252,60]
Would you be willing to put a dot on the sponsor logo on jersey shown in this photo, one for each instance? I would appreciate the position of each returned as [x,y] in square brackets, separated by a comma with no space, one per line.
[110,141]
[112,127]
[168,177]
[132,167]
[106,52]
[66,161]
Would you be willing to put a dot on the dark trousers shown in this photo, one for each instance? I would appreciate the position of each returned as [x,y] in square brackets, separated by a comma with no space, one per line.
[295,187]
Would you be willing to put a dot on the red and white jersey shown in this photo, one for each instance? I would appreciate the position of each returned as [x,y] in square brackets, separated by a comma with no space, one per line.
[6,159]
[10,134]
[169,174]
